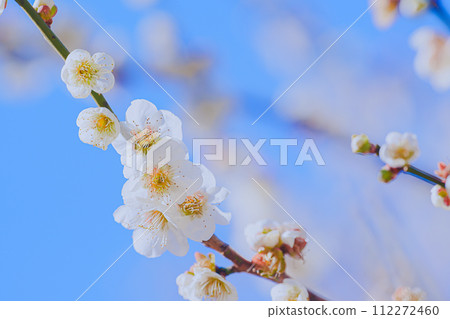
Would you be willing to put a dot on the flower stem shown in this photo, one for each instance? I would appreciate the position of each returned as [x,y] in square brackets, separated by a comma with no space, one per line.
[56,43]
[411,170]
[240,264]
[440,12]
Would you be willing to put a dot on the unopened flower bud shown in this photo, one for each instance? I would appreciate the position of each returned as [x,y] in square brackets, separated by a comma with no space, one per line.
[443,170]
[295,250]
[388,173]
[270,262]
[46,9]
[203,261]
[361,144]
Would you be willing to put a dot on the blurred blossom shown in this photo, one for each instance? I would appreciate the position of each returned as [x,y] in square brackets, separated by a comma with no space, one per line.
[400,149]
[140,4]
[289,290]
[2,5]
[408,294]
[440,197]
[433,57]
[385,11]
[162,48]
[283,43]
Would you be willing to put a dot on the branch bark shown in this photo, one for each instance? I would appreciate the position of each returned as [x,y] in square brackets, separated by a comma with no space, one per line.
[240,264]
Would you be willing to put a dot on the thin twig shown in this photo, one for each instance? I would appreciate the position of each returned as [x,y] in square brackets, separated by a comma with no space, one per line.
[240,264]
[56,43]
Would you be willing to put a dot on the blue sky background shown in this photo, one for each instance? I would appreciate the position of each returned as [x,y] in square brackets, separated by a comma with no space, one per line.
[57,233]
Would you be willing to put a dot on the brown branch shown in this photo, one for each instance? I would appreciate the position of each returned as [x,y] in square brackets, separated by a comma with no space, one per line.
[240,264]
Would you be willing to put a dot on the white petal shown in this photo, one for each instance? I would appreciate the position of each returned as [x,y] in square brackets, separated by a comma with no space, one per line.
[127,216]
[104,60]
[104,83]
[220,217]
[79,92]
[209,181]
[77,55]
[172,124]
[150,243]
[177,243]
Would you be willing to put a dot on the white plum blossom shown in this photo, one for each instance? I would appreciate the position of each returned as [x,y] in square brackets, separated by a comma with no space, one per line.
[289,290]
[433,57]
[3,5]
[440,197]
[412,8]
[83,73]
[408,294]
[154,232]
[265,233]
[98,126]
[204,284]
[400,149]
[385,12]
[164,183]
[146,129]
[196,213]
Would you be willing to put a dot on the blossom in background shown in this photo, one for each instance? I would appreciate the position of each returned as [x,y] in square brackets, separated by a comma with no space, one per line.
[385,11]
[408,294]
[144,128]
[46,9]
[3,5]
[360,144]
[264,233]
[440,197]
[271,234]
[412,8]
[196,213]
[433,57]
[289,290]
[98,127]
[83,73]
[204,284]
[154,232]
[400,149]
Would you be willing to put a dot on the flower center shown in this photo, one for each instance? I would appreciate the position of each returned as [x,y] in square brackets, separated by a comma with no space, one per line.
[145,139]
[402,152]
[86,71]
[193,205]
[104,124]
[215,288]
[160,180]
[155,221]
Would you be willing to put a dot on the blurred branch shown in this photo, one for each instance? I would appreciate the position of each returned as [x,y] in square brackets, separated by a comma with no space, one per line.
[240,264]
[438,9]
[56,43]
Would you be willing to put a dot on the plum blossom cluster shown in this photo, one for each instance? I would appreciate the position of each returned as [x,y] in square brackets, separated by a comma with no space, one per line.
[385,12]
[399,151]
[433,50]
[166,198]
[275,244]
